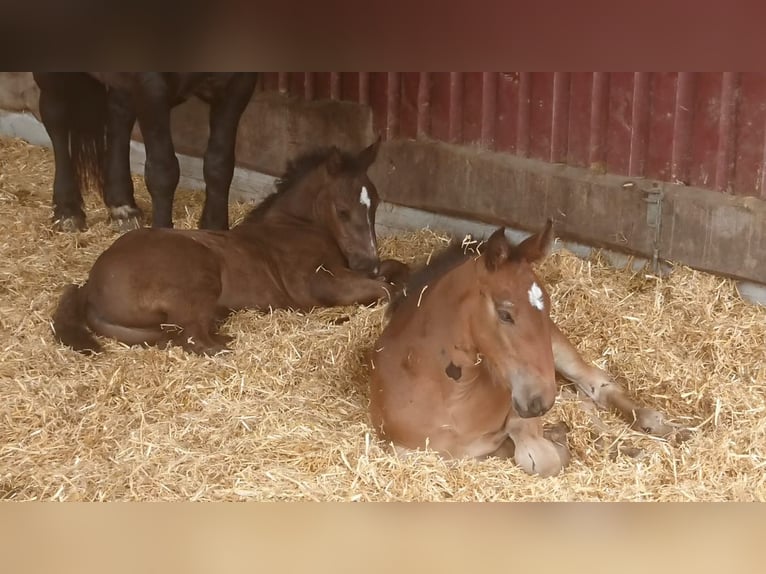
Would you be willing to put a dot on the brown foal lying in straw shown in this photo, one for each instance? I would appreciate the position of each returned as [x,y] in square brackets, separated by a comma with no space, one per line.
[467,363]
[310,244]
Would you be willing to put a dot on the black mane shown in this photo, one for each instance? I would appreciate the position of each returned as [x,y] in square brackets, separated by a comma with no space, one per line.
[296,170]
[457,252]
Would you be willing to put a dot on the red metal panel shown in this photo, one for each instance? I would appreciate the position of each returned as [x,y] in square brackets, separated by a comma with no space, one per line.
[472,94]
[661,125]
[408,104]
[393,99]
[541,116]
[578,128]
[639,124]
[525,105]
[424,104]
[560,117]
[488,108]
[377,99]
[682,128]
[334,85]
[283,82]
[750,120]
[507,111]
[456,107]
[724,162]
[599,121]
[308,85]
[704,138]
[703,129]
[619,125]
[440,106]
[321,83]
[349,86]
[296,82]
[364,88]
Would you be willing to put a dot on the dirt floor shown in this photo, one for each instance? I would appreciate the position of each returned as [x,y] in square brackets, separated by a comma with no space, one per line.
[283,416]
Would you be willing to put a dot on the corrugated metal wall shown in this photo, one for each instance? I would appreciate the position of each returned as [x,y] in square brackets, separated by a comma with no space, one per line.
[702,129]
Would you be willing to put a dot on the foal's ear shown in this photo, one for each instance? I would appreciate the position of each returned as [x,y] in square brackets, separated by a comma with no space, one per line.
[367,155]
[497,251]
[334,163]
[536,246]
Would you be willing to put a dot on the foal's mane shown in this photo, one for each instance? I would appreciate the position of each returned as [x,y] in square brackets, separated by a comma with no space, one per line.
[296,170]
[439,265]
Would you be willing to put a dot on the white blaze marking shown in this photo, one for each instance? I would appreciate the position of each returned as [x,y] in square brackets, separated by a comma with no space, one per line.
[364,198]
[536,297]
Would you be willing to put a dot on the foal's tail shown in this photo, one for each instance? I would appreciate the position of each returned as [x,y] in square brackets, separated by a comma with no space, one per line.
[69,325]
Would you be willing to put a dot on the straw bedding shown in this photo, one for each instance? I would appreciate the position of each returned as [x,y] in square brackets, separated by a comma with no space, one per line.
[283,416]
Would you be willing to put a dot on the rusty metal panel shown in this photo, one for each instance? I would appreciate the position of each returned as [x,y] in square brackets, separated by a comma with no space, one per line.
[750,121]
[541,116]
[408,104]
[702,129]
[663,88]
[683,119]
[506,126]
[578,130]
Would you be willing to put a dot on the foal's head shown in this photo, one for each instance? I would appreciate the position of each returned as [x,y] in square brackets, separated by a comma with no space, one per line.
[346,205]
[508,316]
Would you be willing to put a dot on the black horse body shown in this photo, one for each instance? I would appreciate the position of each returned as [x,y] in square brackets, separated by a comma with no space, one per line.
[89,117]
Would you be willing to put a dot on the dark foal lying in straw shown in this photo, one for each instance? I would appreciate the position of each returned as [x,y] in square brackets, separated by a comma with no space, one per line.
[311,244]
[467,363]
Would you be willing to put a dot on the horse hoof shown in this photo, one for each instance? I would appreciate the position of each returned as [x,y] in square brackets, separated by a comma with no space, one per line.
[125,225]
[652,422]
[70,224]
[125,218]
[557,432]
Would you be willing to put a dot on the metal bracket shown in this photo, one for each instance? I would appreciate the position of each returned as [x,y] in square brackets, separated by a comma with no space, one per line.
[654,197]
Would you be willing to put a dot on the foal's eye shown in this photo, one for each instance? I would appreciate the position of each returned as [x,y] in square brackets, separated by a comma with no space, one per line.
[344,214]
[505,316]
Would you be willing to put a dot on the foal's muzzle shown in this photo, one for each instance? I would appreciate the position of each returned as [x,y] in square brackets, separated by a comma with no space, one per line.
[534,406]
[365,264]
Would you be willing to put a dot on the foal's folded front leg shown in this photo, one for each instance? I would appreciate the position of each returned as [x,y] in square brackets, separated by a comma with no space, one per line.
[602,390]
[347,287]
[536,450]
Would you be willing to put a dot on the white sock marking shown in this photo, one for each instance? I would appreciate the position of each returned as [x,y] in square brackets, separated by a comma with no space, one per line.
[536,297]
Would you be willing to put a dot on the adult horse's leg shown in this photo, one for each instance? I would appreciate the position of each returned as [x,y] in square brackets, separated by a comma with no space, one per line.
[68,214]
[225,112]
[118,186]
[600,387]
[73,111]
[162,171]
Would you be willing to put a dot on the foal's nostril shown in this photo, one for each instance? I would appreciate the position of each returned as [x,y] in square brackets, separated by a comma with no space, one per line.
[536,406]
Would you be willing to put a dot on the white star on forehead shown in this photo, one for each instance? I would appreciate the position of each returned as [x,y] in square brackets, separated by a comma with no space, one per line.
[364,197]
[536,297]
